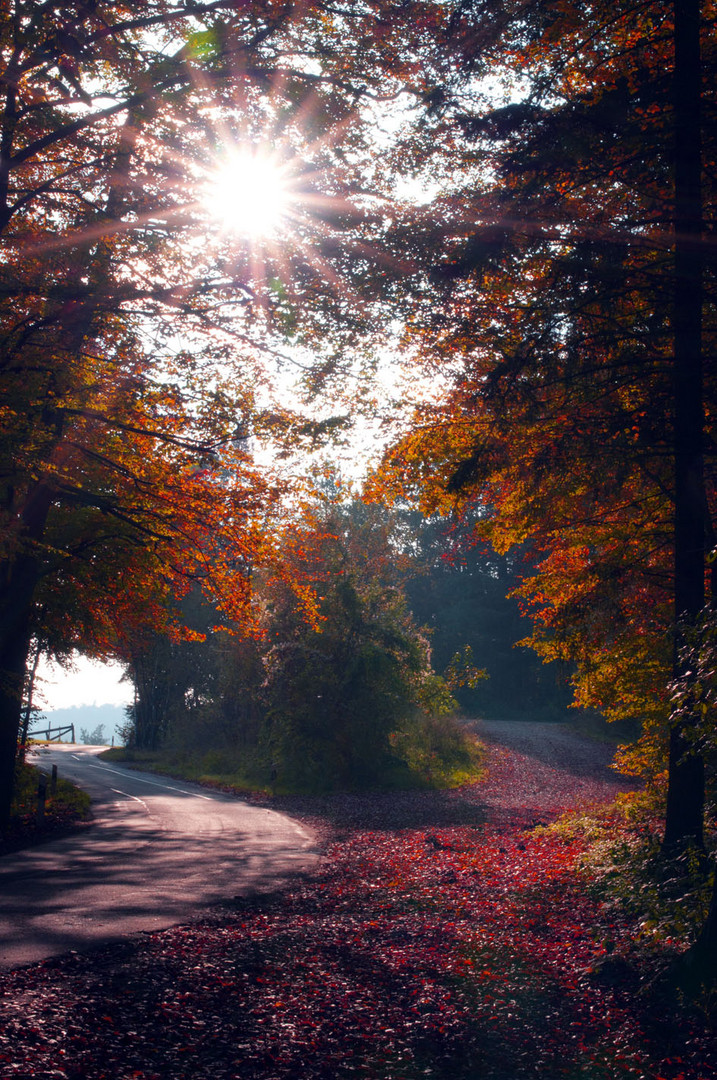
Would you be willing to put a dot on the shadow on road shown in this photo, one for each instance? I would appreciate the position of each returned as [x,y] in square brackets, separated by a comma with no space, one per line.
[113,881]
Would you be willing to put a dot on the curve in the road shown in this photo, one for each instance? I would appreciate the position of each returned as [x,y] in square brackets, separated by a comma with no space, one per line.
[158,852]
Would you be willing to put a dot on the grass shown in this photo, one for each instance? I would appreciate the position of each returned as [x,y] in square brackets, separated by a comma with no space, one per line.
[201,769]
[430,754]
[65,808]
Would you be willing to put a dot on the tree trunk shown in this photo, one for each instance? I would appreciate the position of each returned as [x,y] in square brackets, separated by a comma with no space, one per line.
[686,787]
[29,694]
[21,579]
[18,581]
[12,673]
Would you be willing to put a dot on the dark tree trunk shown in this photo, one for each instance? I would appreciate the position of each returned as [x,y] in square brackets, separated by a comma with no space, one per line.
[698,966]
[685,800]
[31,678]
[15,631]
[13,657]
[18,582]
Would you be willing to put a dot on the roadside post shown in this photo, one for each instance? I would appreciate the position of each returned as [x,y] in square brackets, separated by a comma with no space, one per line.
[41,797]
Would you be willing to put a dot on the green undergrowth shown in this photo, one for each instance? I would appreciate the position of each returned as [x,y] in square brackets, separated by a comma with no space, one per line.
[623,865]
[214,767]
[437,752]
[65,808]
[427,755]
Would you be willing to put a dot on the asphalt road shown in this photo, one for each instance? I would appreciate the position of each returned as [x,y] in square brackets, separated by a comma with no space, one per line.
[158,852]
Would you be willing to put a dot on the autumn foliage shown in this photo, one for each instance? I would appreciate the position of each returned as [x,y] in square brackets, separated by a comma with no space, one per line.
[137,337]
[550,279]
[556,313]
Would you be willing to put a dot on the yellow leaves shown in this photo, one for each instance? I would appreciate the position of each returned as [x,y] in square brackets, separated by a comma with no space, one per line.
[203,44]
[461,670]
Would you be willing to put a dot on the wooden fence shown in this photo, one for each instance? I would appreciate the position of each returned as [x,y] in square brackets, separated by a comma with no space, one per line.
[54,734]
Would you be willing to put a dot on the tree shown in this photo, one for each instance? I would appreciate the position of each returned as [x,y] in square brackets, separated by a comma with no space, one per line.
[129,325]
[341,682]
[336,692]
[100,446]
[93,738]
[573,307]
[566,310]
[103,442]
[692,530]
[459,589]
[177,678]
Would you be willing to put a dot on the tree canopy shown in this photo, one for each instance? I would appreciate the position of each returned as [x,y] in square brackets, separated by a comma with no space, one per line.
[134,329]
[557,311]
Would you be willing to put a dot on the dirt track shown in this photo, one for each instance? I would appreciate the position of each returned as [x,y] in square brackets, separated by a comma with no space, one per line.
[533,767]
[534,771]
[555,745]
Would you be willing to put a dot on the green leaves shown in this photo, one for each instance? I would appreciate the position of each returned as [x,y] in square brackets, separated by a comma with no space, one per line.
[336,690]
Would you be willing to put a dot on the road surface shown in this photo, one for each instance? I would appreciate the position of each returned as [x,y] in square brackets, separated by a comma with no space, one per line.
[159,851]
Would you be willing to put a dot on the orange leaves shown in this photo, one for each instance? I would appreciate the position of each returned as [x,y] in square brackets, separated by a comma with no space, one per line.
[555,343]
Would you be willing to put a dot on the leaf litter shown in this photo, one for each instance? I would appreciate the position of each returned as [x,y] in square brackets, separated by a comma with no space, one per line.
[445,935]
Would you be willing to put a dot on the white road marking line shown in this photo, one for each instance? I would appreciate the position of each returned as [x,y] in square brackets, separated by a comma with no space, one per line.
[154,783]
[128,796]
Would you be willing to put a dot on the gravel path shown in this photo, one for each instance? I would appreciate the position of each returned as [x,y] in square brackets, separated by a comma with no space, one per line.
[534,767]
[557,746]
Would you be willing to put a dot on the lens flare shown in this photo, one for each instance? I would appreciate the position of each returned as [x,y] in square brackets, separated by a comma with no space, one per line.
[248,194]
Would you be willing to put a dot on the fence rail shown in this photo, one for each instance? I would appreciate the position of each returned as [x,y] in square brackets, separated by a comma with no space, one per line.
[54,734]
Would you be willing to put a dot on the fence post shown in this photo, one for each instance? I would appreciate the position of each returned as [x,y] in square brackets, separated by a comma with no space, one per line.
[53,782]
[41,796]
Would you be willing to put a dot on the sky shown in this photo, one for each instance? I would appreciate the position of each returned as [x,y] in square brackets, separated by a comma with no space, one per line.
[90,683]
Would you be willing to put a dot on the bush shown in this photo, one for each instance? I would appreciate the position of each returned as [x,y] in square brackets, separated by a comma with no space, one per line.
[666,897]
[438,751]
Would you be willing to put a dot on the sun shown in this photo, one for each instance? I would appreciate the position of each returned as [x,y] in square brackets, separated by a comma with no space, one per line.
[248,193]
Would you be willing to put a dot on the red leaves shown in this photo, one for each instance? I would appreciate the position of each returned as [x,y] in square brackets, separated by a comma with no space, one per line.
[449,950]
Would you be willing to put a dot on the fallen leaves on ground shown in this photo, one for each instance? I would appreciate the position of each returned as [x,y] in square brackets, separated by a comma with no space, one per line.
[462,950]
